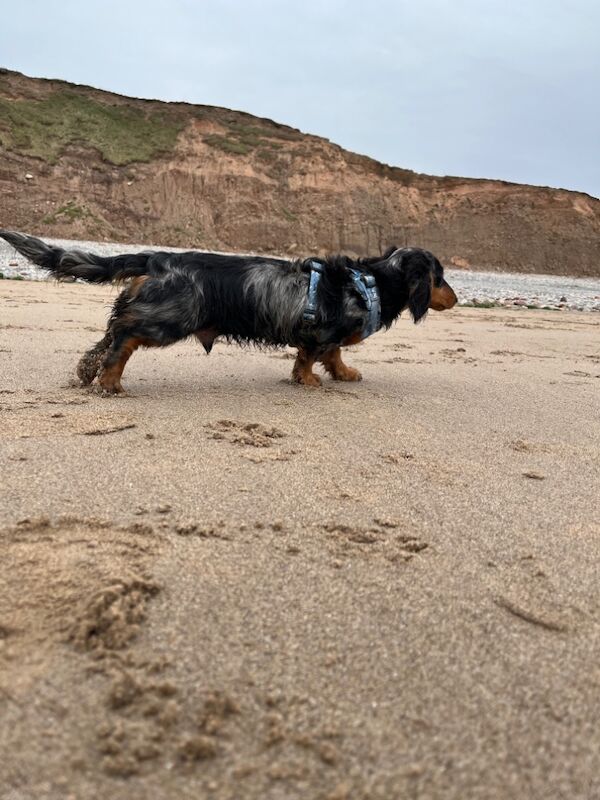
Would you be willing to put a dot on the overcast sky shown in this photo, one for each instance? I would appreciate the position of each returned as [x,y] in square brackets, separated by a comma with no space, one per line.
[481,88]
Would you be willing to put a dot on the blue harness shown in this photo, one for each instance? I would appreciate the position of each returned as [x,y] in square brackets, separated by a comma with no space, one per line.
[363,283]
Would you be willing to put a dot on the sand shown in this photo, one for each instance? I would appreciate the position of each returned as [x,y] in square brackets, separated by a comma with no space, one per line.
[227,586]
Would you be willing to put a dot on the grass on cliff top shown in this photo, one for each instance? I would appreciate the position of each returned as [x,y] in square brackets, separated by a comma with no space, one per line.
[122,134]
[241,139]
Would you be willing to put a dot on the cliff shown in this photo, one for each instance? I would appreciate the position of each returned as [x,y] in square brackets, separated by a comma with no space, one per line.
[77,162]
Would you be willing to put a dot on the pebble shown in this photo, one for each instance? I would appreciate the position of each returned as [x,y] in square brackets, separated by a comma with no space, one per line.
[516,290]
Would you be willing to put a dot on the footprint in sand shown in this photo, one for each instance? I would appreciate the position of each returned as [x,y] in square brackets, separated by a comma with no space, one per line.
[404,360]
[526,446]
[76,595]
[251,434]
[384,538]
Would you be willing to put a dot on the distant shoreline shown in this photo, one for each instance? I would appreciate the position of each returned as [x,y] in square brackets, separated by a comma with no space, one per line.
[475,288]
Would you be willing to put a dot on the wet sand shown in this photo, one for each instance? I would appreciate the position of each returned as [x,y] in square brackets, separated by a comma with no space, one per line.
[227,586]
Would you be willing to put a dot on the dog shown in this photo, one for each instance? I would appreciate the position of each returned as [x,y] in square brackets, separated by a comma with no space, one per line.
[315,305]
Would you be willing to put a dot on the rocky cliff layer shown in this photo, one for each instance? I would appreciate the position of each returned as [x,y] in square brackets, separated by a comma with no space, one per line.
[76,162]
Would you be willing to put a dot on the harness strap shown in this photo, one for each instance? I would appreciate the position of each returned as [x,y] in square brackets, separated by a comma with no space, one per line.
[365,285]
[310,310]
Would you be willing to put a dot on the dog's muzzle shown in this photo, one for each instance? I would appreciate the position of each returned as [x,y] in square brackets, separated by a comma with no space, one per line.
[442,297]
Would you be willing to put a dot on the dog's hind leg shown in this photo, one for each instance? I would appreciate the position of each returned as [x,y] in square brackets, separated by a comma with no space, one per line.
[159,312]
[332,361]
[302,370]
[114,363]
[89,363]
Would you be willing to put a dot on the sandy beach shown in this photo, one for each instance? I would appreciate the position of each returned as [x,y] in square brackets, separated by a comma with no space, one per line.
[226,586]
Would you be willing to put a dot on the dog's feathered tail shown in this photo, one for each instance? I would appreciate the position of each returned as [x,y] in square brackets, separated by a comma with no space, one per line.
[77,263]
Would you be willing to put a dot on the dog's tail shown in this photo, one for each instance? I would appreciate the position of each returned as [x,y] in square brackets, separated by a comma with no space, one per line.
[77,263]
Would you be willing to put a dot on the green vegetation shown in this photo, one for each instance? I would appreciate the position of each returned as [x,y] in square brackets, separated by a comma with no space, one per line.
[241,139]
[249,135]
[71,211]
[256,134]
[266,155]
[227,145]
[289,215]
[67,213]
[122,134]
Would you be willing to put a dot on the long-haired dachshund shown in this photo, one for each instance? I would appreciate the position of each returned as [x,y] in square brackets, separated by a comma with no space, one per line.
[246,299]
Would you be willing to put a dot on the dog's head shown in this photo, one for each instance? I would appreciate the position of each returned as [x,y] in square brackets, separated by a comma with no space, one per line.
[423,280]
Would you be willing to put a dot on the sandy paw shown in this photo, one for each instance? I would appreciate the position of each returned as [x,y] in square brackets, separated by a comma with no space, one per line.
[349,374]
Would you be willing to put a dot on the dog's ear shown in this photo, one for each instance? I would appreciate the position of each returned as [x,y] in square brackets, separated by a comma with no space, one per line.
[419,289]
[389,251]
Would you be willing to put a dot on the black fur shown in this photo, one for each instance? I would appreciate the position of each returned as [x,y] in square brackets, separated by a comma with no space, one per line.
[240,298]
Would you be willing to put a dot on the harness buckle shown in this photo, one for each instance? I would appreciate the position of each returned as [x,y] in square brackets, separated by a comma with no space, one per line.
[369,280]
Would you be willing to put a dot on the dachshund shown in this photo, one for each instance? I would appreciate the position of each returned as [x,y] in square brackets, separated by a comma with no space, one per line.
[246,299]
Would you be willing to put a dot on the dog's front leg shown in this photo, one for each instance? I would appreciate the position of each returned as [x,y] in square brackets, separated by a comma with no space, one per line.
[302,371]
[332,361]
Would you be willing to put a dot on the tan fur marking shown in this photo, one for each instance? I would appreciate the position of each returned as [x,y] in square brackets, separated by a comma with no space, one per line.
[354,339]
[302,371]
[332,361]
[136,284]
[442,297]
[110,378]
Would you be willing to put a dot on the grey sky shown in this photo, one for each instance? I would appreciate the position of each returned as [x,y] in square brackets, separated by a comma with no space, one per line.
[485,89]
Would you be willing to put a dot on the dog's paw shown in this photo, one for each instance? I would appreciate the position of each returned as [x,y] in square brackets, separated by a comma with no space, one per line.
[87,369]
[308,380]
[111,390]
[348,374]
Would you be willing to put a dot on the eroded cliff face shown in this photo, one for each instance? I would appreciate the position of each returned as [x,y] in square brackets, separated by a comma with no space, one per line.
[76,162]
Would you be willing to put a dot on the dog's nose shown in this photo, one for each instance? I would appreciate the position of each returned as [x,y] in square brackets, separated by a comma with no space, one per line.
[453,299]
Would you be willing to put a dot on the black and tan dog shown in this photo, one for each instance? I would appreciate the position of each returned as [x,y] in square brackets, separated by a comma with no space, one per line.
[245,299]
